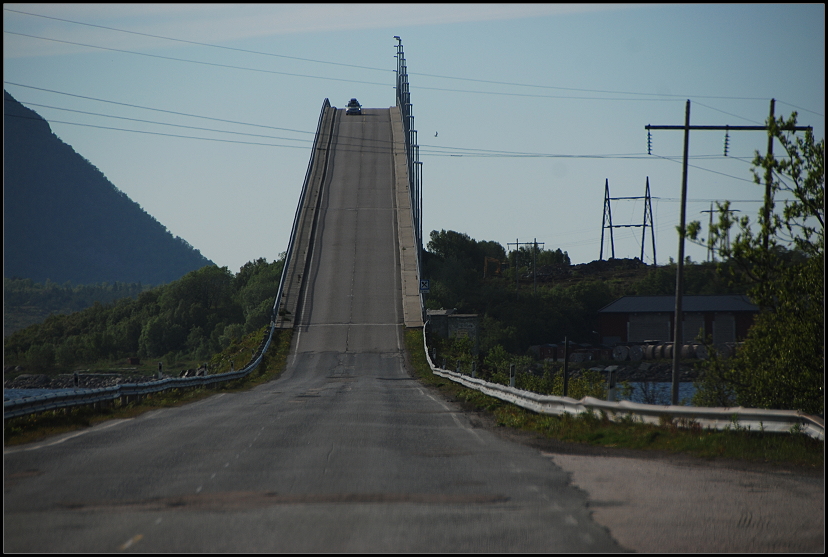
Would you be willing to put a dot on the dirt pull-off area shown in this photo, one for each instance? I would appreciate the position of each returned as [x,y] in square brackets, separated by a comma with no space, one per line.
[657,505]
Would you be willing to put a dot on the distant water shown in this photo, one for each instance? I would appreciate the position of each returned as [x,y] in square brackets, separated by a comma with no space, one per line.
[15,394]
[660,393]
[647,393]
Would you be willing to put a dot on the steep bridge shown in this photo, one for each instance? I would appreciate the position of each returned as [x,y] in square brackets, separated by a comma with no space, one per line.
[353,259]
[345,452]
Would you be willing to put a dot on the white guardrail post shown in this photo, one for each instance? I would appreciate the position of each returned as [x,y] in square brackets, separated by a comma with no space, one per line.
[713,418]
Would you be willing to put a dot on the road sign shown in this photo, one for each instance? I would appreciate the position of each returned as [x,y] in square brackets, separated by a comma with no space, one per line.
[424,286]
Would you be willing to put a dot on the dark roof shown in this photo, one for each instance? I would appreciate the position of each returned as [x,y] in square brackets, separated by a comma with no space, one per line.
[441,311]
[667,304]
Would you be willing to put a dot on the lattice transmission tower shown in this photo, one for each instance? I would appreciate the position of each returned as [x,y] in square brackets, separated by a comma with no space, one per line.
[647,222]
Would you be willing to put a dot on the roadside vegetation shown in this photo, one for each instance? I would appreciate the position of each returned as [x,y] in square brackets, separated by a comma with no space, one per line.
[738,443]
[179,323]
[781,258]
[26,302]
[535,296]
[27,429]
[209,317]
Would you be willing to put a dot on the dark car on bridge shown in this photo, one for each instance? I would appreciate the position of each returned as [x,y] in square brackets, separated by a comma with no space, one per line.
[354,107]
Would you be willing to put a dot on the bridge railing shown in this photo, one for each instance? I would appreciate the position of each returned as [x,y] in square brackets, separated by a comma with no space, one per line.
[714,418]
[412,149]
[297,218]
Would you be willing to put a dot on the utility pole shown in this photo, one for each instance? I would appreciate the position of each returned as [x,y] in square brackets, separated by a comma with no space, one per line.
[566,367]
[677,327]
[768,180]
[711,253]
[535,265]
[517,243]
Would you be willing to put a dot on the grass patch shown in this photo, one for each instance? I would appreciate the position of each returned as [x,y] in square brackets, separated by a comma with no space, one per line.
[595,429]
[27,429]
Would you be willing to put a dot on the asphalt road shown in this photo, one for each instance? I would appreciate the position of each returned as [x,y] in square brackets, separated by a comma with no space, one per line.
[344,453]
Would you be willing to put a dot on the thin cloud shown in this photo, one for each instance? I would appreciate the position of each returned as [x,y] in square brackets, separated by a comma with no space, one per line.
[216,23]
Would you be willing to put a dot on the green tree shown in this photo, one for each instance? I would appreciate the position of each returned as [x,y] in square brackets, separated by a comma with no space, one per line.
[448,244]
[782,362]
[151,343]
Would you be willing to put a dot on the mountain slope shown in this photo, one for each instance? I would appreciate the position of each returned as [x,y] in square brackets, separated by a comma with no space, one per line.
[64,221]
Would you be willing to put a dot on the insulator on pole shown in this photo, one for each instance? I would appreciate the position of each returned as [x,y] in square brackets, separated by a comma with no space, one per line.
[649,143]
[726,142]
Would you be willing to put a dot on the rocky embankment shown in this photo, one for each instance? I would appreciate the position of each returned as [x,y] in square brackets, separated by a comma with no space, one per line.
[67,381]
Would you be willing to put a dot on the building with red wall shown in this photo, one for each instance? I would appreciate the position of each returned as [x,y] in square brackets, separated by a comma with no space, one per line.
[630,319]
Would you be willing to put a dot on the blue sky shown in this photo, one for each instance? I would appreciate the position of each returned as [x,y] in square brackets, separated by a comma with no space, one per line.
[565,90]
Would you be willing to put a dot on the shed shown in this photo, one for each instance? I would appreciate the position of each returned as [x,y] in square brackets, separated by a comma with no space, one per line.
[448,324]
[725,318]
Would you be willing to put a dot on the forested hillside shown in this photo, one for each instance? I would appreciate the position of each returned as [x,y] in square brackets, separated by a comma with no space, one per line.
[64,221]
[193,317]
[26,302]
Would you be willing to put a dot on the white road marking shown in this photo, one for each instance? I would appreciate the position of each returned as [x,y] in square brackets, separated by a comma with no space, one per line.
[68,437]
[133,540]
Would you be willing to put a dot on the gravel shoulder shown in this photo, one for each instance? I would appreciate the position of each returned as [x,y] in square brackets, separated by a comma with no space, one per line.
[655,501]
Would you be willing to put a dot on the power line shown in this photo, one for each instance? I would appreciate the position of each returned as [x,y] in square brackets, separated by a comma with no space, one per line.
[472,152]
[340,145]
[429,150]
[155,133]
[456,78]
[229,66]
[800,108]
[658,98]
[378,141]
[199,43]
[729,113]
[156,109]
[516,154]
[675,159]
[214,64]
[160,123]
[601,91]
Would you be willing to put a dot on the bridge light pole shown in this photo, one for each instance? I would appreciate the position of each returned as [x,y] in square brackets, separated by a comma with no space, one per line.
[412,150]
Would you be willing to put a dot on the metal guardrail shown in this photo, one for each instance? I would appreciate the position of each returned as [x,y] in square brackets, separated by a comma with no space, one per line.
[126,391]
[713,418]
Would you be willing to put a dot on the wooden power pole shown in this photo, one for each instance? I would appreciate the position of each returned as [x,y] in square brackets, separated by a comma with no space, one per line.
[677,327]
